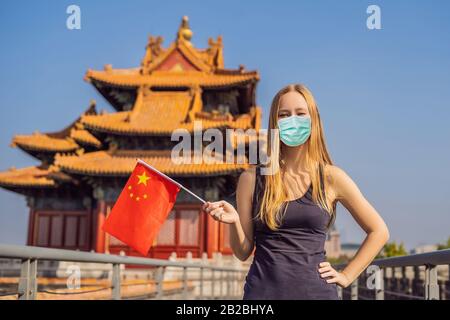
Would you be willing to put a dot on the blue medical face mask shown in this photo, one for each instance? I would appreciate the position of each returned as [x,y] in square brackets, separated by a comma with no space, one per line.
[294,130]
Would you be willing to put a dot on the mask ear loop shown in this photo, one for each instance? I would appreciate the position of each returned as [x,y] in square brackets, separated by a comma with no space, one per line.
[285,207]
[284,210]
[282,163]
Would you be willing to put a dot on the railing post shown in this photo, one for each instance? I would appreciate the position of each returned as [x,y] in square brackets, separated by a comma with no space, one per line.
[447,284]
[396,282]
[185,286]
[116,282]
[339,291]
[404,281]
[228,279]
[234,287]
[231,284]
[239,283]
[201,283]
[213,283]
[431,283]
[236,284]
[221,284]
[416,282]
[446,290]
[159,277]
[379,285]
[28,281]
[442,290]
[354,290]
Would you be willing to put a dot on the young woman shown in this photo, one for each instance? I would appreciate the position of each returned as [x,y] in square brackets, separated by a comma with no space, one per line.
[285,208]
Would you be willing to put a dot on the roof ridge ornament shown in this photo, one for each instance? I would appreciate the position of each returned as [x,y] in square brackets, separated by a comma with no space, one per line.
[184,31]
[152,51]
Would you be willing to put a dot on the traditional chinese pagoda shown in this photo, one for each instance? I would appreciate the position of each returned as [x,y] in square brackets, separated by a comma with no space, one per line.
[84,167]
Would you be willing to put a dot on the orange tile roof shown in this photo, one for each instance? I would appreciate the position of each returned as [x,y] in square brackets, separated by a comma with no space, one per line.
[133,78]
[116,123]
[160,113]
[206,66]
[43,142]
[27,177]
[122,163]
[64,140]
[84,137]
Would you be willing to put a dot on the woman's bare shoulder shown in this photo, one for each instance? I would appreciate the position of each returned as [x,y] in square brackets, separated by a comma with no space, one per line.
[338,179]
[334,173]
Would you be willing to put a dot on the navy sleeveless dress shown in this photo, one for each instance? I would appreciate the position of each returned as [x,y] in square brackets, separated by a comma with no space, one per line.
[285,263]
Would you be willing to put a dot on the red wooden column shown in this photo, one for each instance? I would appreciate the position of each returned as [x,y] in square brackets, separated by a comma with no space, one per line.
[99,234]
[212,235]
[31,228]
[224,247]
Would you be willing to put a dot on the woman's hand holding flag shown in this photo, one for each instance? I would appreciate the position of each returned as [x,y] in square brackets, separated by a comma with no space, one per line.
[221,211]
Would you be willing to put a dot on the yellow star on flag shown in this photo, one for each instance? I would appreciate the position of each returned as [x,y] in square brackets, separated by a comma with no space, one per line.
[143,178]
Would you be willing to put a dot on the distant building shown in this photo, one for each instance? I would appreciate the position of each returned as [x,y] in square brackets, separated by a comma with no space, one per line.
[349,249]
[333,243]
[424,248]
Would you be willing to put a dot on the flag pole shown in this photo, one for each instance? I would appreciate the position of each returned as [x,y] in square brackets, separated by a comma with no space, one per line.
[170,179]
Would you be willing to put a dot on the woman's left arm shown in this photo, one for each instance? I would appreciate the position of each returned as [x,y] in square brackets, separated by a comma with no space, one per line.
[348,193]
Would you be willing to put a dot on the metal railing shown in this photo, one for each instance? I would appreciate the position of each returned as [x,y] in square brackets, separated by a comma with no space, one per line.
[228,277]
[421,281]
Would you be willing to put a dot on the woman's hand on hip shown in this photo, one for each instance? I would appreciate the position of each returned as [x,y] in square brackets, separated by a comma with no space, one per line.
[333,276]
[221,211]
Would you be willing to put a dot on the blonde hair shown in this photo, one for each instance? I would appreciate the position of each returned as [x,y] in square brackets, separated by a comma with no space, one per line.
[275,196]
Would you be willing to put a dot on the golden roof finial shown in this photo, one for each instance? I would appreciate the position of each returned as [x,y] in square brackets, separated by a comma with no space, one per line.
[184,32]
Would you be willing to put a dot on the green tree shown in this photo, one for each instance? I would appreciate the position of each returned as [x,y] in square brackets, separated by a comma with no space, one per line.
[444,245]
[339,260]
[392,249]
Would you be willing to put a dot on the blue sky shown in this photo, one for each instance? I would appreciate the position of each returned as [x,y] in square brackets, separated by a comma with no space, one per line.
[383,94]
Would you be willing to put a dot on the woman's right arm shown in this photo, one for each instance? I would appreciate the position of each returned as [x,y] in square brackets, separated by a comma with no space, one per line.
[241,232]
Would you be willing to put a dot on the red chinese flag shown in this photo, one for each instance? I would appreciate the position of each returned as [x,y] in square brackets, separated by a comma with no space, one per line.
[141,209]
